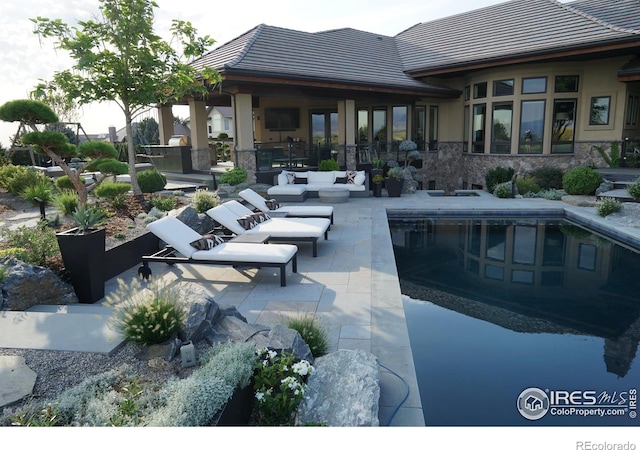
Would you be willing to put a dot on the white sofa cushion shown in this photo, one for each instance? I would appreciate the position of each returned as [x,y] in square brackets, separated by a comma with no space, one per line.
[321,177]
[288,189]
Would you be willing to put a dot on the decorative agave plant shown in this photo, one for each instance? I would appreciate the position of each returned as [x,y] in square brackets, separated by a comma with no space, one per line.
[87,218]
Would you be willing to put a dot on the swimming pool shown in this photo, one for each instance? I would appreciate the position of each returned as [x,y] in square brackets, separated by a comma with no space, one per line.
[520,321]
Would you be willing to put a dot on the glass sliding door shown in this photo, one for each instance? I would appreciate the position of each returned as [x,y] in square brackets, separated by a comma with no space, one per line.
[324,134]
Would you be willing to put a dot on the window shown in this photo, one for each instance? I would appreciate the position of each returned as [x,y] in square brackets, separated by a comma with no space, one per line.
[631,116]
[502,87]
[599,112]
[479,113]
[564,113]
[587,256]
[480,90]
[433,128]
[501,128]
[531,126]
[380,128]
[420,127]
[524,244]
[227,124]
[566,83]
[467,93]
[534,85]
[399,119]
[363,126]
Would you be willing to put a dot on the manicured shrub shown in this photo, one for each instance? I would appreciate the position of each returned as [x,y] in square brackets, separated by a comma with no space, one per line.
[581,181]
[311,332]
[36,244]
[23,177]
[64,182]
[111,189]
[527,184]
[503,190]
[328,165]
[233,176]
[163,203]
[204,200]
[548,177]
[498,175]
[608,206]
[151,181]
[634,189]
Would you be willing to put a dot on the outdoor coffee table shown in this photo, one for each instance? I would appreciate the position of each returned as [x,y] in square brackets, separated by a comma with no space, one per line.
[333,195]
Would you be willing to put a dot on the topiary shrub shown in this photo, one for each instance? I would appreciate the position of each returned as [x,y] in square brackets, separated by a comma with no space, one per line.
[111,189]
[22,177]
[233,176]
[151,181]
[498,175]
[328,165]
[608,206]
[581,181]
[64,182]
[634,189]
[548,177]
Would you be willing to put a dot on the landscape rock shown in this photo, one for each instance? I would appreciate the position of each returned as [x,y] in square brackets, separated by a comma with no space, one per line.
[25,286]
[17,377]
[605,186]
[343,391]
[281,337]
[202,223]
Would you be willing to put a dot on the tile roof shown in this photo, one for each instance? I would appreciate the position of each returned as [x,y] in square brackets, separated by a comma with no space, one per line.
[622,14]
[343,55]
[507,30]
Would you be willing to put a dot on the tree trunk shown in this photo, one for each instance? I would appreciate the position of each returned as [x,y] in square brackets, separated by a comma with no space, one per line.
[135,187]
[74,176]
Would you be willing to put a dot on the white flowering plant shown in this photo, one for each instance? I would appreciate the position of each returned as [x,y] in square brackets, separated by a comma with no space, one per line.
[279,383]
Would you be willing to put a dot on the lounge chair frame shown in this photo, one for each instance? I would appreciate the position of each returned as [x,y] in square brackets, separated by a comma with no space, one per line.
[169,256]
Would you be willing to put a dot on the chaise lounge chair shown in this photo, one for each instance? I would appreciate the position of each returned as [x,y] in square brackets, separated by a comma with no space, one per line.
[178,236]
[260,203]
[279,229]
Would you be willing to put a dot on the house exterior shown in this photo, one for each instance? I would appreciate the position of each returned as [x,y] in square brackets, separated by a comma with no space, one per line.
[525,83]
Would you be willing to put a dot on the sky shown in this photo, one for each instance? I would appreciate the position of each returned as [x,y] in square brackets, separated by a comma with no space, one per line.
[25,60]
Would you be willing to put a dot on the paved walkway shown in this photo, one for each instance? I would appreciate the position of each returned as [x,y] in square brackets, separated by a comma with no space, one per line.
[352,287]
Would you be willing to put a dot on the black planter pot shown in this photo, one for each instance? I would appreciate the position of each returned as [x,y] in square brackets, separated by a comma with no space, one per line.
[394,186]
[377,189]
[128,254]
[82,255]
[238,409]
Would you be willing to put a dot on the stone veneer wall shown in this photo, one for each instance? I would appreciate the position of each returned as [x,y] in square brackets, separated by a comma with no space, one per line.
[247,160]
[449,167]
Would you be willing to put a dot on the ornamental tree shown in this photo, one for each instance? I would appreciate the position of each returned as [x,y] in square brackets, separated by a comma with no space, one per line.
[119,58]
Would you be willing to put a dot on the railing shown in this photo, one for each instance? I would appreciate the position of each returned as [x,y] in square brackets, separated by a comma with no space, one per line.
[296,155]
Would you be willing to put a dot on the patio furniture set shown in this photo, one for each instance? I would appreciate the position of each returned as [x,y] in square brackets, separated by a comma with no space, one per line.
[249,231]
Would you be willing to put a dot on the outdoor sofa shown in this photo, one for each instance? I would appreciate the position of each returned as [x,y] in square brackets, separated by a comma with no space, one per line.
[297,186]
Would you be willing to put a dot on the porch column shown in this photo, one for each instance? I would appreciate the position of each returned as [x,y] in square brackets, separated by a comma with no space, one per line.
[245,153]
[200,159]
[165,123]
[347,130]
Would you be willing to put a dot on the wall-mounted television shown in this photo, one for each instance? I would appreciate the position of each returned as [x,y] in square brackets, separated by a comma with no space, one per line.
[281,119]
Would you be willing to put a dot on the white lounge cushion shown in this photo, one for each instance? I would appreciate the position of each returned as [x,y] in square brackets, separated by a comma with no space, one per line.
[321,177]
[292,227]
[175,233]
[247,253]
[258,201]
[287,189]
[238,208]
[226,218]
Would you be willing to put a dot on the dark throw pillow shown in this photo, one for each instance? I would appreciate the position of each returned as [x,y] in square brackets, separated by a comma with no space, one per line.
[247,222]
[341,180]
[300,180]
[207,242]
[260,217]
[272,204]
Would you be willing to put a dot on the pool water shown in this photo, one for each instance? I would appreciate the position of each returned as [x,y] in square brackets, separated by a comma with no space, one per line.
[525,321]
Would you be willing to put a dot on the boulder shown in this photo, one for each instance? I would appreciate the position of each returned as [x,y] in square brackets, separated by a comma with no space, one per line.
[16,379]
[25,286]
[202,223]
[281,337]
[343,391]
